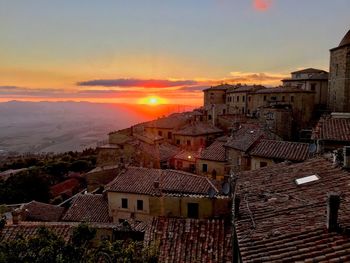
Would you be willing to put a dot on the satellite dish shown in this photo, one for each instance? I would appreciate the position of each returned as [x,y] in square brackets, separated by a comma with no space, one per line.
[225,188]
[211,192]
[312,148]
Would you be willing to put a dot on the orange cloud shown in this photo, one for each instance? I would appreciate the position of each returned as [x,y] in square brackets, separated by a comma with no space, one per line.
[262,5]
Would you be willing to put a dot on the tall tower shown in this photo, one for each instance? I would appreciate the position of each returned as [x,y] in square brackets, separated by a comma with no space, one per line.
[339,77]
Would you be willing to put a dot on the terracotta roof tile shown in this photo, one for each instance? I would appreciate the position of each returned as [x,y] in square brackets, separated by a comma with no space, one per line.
[88,208]
[142,181]
[12,232]
[281,150]
[170,122]
[280,220]
[198,128]
[184,154]
[283,89]
[191,240]
[309,70]
[332,129]
[215,152]
[163,151]
[37,211]
[66,186]
[247,135]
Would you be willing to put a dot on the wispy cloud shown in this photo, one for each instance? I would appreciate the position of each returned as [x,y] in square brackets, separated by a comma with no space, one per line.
[144,83]
[22,91]
[256,77]
[262,5]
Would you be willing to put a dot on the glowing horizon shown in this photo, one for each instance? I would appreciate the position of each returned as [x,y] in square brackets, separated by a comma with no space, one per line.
[132,51]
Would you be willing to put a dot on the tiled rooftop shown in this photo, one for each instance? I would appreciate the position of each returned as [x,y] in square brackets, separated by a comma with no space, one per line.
[245,88]
[198,128]
[281,221]
[332,129]
[247,135]
[63,229]
[281,150]
[184,155]
[170,122]
[163,151]
[282,90]
[88,208]
[12,232]
[309,70]
[65,186]
[37,211]
[191,240]
[142,181]
[219,87]
[215,152]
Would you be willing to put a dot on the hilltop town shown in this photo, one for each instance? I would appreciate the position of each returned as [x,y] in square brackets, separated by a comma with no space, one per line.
[257,174]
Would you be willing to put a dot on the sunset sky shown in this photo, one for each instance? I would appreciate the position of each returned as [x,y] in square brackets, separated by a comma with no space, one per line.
[159,51]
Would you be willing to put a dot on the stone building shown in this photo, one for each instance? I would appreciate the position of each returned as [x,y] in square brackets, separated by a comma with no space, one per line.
[312,80]
[215,95]
[212,161]
[237,98]
[140,194]
[300,101]
[196,135]
[339,77]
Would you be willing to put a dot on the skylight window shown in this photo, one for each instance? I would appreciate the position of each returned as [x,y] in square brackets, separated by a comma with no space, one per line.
[307,179]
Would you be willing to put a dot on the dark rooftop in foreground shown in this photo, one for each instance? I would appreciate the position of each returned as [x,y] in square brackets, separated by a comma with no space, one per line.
[280,220]
[88,208]
[191,240]
[37,211]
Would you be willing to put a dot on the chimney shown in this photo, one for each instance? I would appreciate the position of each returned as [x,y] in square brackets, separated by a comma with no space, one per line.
[346,153]
[237,203]
[156,184]
[333,203]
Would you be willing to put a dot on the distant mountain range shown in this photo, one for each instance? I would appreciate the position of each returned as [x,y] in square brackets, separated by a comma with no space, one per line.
[68,126]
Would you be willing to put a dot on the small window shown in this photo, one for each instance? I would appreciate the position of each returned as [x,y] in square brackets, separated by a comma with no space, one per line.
[224,111]
[188,143]
[121,160]
[121,147]
[283,98]
[140,205]
[179,164]
[237,98]
[265,98]
[124,203]
[170,135]
[243,110]
[249,98]
[243,98]
[273,98]
[263,164]
[313,86]
[204,168]
[160,133]
[178,142]
[292,98]
[209,117]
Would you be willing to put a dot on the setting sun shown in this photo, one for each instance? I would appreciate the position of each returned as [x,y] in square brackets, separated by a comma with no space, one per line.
[152,100]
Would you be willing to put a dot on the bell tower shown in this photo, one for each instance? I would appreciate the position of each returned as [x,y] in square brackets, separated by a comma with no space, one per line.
[339,77]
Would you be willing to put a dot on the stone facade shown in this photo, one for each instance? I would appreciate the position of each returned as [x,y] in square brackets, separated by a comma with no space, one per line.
[311,79]
[339,77]
[169,206]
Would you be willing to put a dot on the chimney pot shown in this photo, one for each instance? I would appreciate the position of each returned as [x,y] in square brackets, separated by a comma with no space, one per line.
[333,203]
